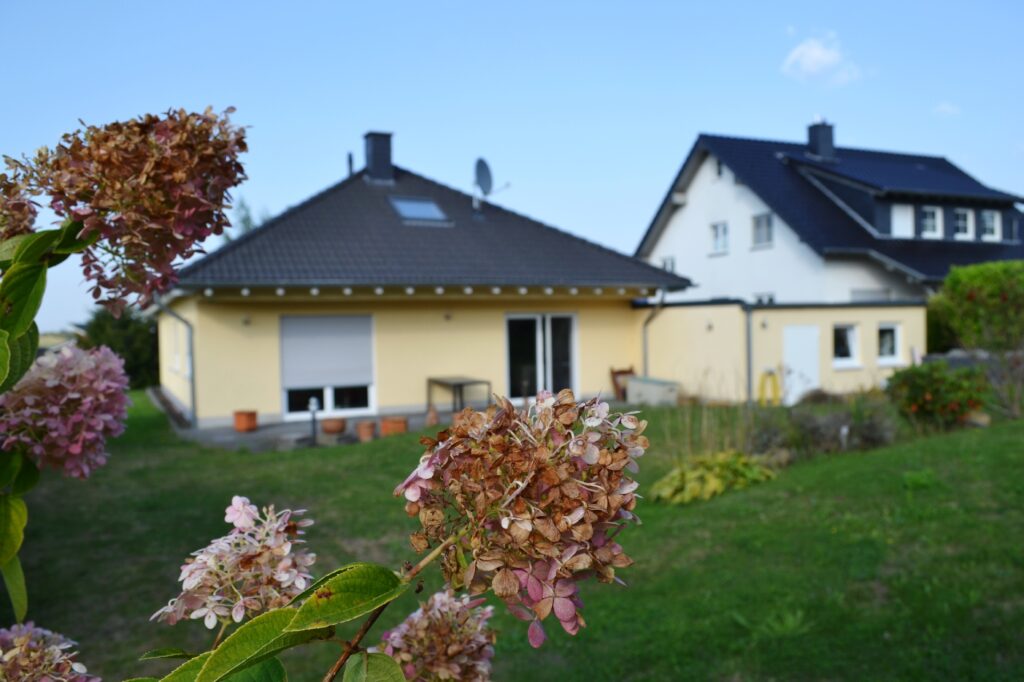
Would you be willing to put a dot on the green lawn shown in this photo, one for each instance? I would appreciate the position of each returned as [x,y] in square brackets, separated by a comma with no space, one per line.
[899,564]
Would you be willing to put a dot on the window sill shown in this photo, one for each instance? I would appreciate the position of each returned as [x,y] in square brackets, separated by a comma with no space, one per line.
[717,254]
[841,366]
[323,414]
[761,247]
[891,362]
[963,237]
[928,235]
[993,238]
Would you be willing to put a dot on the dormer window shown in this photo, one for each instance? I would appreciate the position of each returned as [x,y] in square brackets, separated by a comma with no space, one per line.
[991,225]
[419,211]
[931,222]
[963,224]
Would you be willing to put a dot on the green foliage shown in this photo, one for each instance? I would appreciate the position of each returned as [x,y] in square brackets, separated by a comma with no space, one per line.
[187,671]
[372,668]
[166,652]
[986,304]
[132,336]
[934,396]
[21,294]
[20,353]
[255,641]
[704,476]
[859,422]
[351,593]
[14,581]
[940,332]
[13,517]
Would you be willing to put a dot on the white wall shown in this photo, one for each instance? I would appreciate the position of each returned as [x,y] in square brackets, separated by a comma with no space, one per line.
[789,269]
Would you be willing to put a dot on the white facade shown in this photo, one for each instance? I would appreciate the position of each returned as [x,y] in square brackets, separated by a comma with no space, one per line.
[785,271]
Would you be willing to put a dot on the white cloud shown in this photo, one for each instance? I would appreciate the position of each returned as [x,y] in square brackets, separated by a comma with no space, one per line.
[946,109]
[820,59]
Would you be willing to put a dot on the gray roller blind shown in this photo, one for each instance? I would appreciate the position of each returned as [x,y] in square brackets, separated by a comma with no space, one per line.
[326,351]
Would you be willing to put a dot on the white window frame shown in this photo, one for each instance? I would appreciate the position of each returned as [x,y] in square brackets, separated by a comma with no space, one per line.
[719,238]
[896,359]
[853,340]
[937,232]
[969,234]
[997,225]
[770,223]
[543,350]
[327,410]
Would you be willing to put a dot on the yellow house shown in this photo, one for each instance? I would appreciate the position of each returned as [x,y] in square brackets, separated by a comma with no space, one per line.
[388,291]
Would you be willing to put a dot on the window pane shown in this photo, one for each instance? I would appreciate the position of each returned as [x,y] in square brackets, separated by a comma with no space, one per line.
[886,342]
[561,353]
[348,397]
[412,208]
[841,347]
[298,398]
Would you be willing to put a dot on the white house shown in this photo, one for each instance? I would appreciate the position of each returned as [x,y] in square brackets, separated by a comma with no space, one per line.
[781,222]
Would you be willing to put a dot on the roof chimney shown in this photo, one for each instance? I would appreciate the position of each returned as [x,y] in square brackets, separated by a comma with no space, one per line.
[819,140]
[378,157]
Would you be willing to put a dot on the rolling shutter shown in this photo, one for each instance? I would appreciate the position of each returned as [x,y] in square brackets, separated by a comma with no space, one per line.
[326,351]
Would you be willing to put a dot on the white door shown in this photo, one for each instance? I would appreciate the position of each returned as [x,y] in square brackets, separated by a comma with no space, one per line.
[800,361]
[540,354]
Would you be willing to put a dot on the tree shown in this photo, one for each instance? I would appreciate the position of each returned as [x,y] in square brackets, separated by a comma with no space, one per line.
[132,336]
[245,221]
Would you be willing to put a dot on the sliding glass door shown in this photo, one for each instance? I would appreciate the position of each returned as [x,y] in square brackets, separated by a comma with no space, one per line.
[540,354]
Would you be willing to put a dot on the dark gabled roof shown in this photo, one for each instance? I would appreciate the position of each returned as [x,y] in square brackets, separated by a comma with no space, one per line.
[351,234]
[790,181]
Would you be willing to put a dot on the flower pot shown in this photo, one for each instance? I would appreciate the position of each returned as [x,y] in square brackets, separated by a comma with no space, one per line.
[365,431]
[333,425]
[433,419]
[245,421]
[389,426]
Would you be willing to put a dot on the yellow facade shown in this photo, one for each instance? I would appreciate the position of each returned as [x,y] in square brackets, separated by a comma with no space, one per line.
[237,361]
[238,347]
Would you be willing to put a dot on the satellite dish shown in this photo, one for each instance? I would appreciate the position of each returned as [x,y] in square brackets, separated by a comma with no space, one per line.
[483,177]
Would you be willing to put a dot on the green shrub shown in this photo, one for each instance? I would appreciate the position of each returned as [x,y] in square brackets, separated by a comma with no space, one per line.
[934,396]
[861,422]
[940,332]
[132,336]
[985,305]
[705,476]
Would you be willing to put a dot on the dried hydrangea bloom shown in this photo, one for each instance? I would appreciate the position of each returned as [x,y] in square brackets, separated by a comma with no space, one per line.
[64,409]
[447,638]
[538,496]
[17,210]
[151,188]
[31,654]
[258,566]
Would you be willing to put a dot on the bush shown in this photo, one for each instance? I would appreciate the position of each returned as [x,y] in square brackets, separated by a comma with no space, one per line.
[934,396]
[132,336]
[705,476]
[941,336]
[985,305]
[860,423]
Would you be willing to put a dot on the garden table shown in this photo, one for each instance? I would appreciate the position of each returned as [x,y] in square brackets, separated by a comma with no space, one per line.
[456,385]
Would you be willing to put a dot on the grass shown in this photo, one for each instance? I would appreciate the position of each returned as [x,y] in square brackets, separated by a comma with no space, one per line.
[905,563]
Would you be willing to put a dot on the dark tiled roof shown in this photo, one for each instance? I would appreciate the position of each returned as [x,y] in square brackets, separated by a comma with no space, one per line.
[350,234]
[775,172]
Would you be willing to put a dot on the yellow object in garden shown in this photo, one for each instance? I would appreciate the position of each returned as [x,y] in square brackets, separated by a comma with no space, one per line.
[769,379]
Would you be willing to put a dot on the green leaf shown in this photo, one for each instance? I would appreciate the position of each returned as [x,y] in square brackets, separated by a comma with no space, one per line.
[70,242]
[13,517]
[372,668]
[5,356]
[8,247]
[23,354]
[21,292]
[166,652]
[301,596]
[34,247]
[27,478]
[269,670]
[350,594]
[10,465]
[142,679]
[14,581]
[255,641]
[187,671]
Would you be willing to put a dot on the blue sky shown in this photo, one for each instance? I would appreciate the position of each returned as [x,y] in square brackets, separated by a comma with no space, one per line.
[586,108]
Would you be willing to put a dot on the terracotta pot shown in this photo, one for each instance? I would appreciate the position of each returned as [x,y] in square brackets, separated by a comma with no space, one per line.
[433,419]
[365,431]
[245,421]
[389,426]
[333,425]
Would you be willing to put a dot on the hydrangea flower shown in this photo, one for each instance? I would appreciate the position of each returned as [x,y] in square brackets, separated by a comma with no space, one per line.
[258,566]
[32,654]
[538,497]
[149,188]
[64,409]
[447,638]
[17,210]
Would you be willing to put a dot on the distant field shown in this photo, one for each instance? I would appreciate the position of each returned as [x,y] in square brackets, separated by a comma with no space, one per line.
[905,563]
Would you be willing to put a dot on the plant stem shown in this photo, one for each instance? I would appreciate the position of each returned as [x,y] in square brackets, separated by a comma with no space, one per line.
[352,646]
[220,635]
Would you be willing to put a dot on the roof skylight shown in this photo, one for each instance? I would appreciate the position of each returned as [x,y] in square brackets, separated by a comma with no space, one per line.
[418,209]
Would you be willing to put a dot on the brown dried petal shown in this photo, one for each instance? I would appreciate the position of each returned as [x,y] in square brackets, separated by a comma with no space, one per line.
[546,527]
[505,583]
[419,542]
